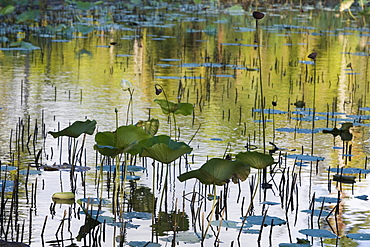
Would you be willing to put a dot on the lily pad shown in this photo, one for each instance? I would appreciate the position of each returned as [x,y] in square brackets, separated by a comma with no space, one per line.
[186,237]
[94,201]
[257,220]
[348,170]
[8,184]
[359,236]
[305,157]
[230,224]
[327,199]
[319,233]
[30,172]
[142,244]
[8,168]
[137,215]
[76,129]
[218,171]
[256,159]
[316,212]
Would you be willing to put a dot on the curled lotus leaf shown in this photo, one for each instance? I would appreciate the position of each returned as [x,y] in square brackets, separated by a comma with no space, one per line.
[76,129]
[150,126]
[176,108]
[218,171]
[126,139]
[163,149]
[256,159]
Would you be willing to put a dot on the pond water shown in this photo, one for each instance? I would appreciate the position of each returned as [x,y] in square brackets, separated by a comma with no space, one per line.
[209,57]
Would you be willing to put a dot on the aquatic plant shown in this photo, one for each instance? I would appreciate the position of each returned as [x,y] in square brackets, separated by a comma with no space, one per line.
[170,108]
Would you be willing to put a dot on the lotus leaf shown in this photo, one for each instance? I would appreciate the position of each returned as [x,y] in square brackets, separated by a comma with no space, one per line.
[256,159]
[320,233]
[151,126]
[218,171]
[176,108]
[163,149]
[126,139]
[359,236]
[258,219]
[230,224]
[76,129]
[7,10]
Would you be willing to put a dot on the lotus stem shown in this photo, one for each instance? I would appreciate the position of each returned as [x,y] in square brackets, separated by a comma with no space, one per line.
[160,89]
[212,212]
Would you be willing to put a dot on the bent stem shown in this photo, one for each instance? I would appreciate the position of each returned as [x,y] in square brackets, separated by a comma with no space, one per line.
[130,106]
[251,202]
[168,108]
[212,212]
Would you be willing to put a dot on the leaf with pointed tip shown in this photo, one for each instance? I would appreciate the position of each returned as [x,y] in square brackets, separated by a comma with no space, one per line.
[218,171]
[76,129]
[176,108]
[7,10]
[151,126]
[163,149]
[256,159]
[126,139]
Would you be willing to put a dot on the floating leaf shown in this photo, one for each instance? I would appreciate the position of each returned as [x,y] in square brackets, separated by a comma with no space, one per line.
[257,220]
[256,159]
[305,157]
[230,224]
[218,171]
[186,237]
[137,215]
[29,172]
[316,212]
[8,168]
[24,45]
[8,184]
[327,199]
[359,236]
[64,195]
[163,149]
[126,139]
[344,179]
[362,197]
[76,129]
[84,5]
[84,29]
[151,126]
[93,201]
[348,170]
[142,244]
[320,233]
[176,108]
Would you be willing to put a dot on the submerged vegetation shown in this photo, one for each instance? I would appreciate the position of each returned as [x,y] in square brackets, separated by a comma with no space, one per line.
[214,123]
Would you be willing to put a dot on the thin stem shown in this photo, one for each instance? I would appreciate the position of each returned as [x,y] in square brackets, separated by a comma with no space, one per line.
[261,88]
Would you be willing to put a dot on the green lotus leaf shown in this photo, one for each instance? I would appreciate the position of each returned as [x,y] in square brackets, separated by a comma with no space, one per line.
[255,159]
[126,139]
[151,126]
[76,129]
[24,45]
[163,149]
[218,171]
[7,10]
[176,108]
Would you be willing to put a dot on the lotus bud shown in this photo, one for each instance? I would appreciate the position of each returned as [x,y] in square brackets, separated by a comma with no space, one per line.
[313,56]
[258,15]
[125,84]
[158,90]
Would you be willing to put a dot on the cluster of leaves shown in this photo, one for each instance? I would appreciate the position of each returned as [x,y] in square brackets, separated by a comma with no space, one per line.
[219,171]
